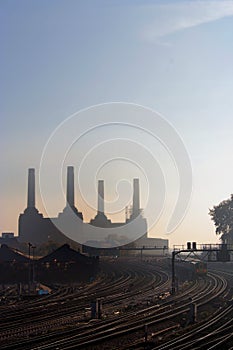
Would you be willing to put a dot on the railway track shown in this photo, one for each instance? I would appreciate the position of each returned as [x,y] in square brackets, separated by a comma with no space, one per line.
[128,325]
[94,334]
[61,310]
[208,335]
[105,334]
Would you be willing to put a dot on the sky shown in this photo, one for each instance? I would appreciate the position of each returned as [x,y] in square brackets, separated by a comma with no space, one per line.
[174,57]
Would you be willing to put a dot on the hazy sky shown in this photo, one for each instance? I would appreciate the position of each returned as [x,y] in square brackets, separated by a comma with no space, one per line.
[175,57]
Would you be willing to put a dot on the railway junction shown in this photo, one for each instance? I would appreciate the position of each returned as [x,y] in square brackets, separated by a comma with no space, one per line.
[129,305]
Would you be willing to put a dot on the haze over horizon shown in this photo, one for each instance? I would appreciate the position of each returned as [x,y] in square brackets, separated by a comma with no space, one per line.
[174,57]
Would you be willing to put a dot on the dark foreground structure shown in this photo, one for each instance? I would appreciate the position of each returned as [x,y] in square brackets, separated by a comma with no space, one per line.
[64,265]
[13,265]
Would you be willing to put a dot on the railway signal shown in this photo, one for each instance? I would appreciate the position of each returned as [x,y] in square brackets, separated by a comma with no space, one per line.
[221,250]
[191,245]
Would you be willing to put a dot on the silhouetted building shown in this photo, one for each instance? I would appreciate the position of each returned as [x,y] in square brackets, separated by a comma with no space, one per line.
[66,265]
[62,265]
[13,265]
[8,254]
[8,235]
[34,228]
[9,239]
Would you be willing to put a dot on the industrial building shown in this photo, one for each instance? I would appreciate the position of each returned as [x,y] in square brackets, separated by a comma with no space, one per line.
[69,227]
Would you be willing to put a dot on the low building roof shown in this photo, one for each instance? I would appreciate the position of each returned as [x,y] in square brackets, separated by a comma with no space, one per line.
[8,254]
[65,254]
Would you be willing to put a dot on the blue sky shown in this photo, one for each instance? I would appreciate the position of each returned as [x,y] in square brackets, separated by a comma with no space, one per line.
[172,56]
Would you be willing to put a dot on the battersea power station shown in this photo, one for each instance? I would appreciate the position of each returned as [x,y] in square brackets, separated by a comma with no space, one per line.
[69,227]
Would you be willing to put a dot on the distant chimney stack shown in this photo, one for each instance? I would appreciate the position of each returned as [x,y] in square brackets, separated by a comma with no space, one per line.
[136,199]
[101,196]
[70,186]
[31,188]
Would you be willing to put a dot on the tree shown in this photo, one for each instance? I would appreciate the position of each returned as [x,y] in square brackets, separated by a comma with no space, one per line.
[222,215]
